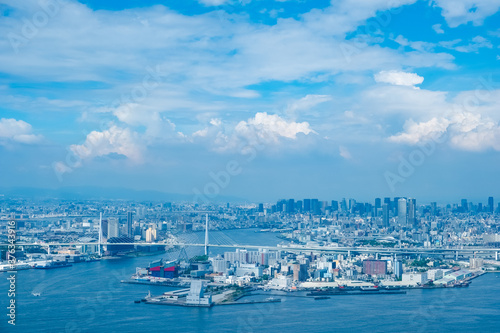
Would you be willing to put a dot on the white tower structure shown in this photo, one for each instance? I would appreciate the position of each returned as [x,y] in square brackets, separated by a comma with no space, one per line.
[206,235]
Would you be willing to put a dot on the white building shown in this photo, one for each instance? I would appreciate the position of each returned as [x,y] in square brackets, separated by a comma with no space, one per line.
[280,282]
[195,295]
[435,274]
[219,264]
[249,269]
[413,279]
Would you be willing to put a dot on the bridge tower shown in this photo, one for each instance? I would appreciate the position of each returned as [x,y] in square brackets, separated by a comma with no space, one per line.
[206,234]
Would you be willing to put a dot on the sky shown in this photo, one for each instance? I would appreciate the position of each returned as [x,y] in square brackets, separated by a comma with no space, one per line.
[255,99]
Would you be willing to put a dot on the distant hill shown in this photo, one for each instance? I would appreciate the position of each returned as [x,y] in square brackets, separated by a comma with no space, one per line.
[101,193]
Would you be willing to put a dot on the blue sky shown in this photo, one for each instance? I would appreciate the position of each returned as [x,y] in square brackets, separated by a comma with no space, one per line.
[350,98]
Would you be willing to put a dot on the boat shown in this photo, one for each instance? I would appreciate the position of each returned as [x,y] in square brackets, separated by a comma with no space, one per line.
[321,297]
[372,288]
[35,294]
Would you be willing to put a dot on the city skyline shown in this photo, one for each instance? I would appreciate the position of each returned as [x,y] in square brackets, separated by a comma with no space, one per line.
[392,99]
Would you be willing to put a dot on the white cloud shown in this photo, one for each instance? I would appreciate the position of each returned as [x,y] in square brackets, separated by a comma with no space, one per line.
[116,140]
[213,2]
[423,131]
[466,131]
[306,103]
[398,78]
[260,131]
[477,43]
[17,131]
[345,153]
[437,28]
[459,12]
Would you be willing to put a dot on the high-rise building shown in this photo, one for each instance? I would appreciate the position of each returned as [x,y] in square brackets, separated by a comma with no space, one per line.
[129,225]
[335,205]
[463,206]
[343,205]
[395,206]
[113,230]
[378,203]
[290,207]
[298,206]
[398,268]
[490,204]
[151,234]
[315,206]
[307,205]
[385,215]
[412,212]
[261,208]
[104,228]
[402,212]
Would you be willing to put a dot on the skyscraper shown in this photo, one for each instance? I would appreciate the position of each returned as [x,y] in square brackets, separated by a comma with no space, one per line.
[385,215]
[412,212]
[402,211]
[378,203]
[129,225]
[463,206]
[490,204]
[113,230]
[290,207]
[307,205]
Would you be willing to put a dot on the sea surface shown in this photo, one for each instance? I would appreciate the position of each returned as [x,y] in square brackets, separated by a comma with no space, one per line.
[88,297]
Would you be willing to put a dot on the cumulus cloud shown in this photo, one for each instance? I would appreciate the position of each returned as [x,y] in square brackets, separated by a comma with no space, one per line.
[116,140]
[17,131]
[398,78]
[466,131]
[423,131]
[261,130]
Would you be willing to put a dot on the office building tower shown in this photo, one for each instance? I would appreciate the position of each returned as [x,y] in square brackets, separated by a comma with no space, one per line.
[129,225]
[261,208]
[464,207]
[298,206]
[395,206]
[378,203]
[490,204]
[307,205]
[280,205]
[402,212]
[315,206]
[398,269]
[335,206]
[113,230]
[412,211]
[343,206]
[290,207]
[104,228]
[385,215]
